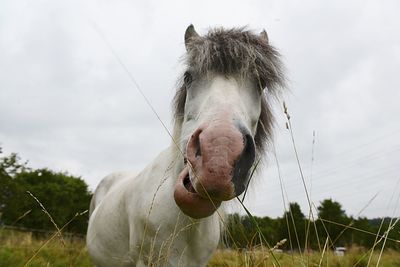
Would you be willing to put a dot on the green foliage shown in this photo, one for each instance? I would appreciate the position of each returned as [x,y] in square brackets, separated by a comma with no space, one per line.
[61,194]
[10,166]
[333,222]
[292,227]
[331,211]
[241,232]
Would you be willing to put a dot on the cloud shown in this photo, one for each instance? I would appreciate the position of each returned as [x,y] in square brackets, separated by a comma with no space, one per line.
[66,103]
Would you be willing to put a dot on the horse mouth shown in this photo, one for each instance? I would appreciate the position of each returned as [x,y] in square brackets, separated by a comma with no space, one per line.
[190,201]
[187,183]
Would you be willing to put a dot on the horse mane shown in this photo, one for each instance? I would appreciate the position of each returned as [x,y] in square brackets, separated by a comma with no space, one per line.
[238,52]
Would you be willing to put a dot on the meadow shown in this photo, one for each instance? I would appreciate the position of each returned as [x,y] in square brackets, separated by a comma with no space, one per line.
[364,238]
[28,249]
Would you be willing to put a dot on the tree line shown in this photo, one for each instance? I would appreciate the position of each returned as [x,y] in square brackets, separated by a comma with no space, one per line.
[42,198]
[294,231]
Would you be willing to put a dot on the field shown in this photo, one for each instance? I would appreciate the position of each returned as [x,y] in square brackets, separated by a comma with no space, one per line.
[24,249]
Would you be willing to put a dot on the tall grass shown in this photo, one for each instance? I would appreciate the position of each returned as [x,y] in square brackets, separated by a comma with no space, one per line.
[24,249]
[354,257]
[16,248]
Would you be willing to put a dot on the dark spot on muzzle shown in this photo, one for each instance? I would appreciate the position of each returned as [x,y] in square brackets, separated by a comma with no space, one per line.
[244,163]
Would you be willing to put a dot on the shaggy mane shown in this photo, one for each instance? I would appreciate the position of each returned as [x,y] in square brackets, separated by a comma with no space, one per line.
[236,52]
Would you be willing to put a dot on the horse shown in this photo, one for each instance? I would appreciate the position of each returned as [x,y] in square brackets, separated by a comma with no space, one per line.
[170,213]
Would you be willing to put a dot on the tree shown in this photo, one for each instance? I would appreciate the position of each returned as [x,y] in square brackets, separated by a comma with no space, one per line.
[292,227]
[61,195]
[9,167]
[241,231]
[12,165]
[331,216]
[235,233]
[268,227]
[361,238]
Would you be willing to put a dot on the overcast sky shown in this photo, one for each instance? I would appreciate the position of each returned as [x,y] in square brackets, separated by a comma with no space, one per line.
[66,103]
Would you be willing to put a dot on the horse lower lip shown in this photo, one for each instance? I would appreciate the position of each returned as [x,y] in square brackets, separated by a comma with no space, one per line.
[189,201]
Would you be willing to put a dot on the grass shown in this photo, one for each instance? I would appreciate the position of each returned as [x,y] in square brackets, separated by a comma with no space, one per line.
[16,248]
[355,257]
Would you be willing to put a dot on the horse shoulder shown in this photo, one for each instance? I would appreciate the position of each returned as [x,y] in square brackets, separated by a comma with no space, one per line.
[105,186]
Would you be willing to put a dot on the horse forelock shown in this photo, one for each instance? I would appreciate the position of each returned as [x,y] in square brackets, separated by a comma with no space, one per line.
[236,52]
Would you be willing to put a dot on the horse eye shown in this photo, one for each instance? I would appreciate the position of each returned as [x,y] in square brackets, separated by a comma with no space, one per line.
[187,78]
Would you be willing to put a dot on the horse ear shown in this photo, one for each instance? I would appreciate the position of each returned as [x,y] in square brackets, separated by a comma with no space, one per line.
[190,35]
[264,36]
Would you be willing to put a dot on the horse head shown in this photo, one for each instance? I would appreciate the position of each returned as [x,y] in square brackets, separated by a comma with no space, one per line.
[223,115]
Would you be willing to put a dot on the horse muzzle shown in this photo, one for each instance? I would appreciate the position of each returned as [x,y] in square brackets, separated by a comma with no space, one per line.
[219,157]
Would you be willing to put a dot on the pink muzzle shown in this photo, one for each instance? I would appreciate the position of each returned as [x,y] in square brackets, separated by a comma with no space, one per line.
[219,157]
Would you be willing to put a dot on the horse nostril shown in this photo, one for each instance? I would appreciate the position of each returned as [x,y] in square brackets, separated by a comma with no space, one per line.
[245,140]
[243,164]
[248,144]
[193,149]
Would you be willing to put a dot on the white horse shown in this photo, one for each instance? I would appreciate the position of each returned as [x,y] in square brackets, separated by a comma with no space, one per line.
[168,214]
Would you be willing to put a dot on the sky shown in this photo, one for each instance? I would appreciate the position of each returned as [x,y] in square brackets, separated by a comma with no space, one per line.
[68,105]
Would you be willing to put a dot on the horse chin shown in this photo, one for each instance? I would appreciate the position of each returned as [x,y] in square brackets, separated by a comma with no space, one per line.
[189,201]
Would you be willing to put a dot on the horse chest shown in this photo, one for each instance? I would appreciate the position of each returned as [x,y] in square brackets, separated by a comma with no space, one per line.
[179,242]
